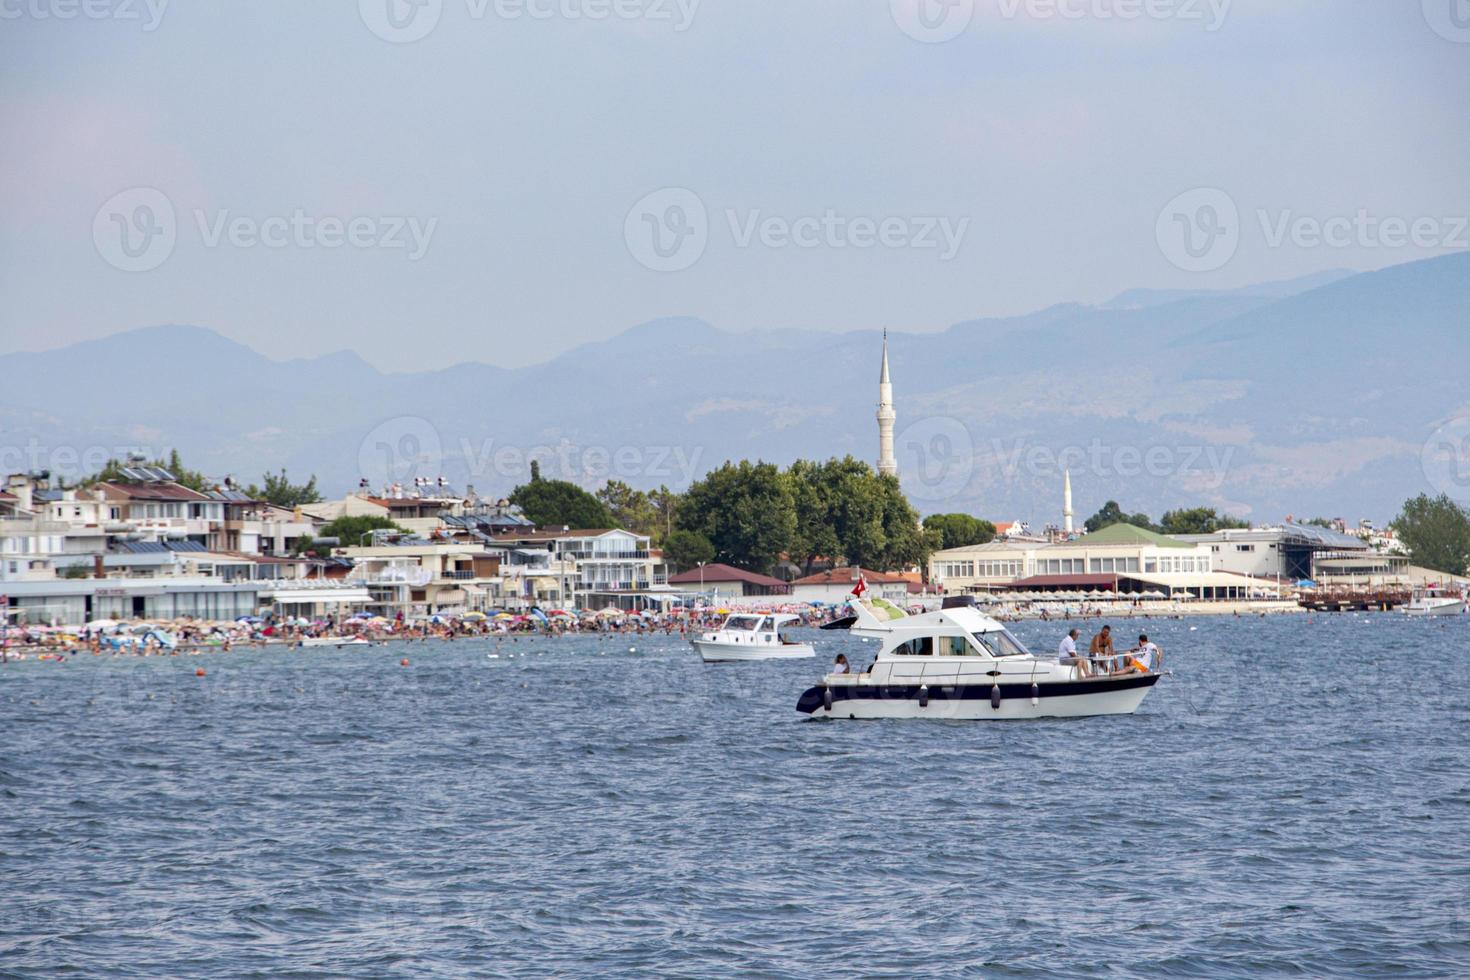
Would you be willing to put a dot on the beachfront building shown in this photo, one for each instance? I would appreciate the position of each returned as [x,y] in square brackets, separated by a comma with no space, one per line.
[597,568]
[835,585]
[1117,559]
[1289,553]
[725,582]
[425,576]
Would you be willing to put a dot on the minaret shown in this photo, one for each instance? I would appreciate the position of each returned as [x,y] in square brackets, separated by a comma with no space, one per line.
[887,465]
[1067,501]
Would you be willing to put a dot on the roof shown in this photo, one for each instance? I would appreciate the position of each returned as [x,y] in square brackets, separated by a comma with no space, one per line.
[849,576]
[7,496]
[997,545]
[551,535]
[1129,536]
[151,491]
[724,573]
[1066,581]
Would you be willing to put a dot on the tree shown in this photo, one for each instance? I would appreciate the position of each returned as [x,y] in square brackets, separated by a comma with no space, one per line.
[1436,531]
[631,509]
[687,549]
[844,509]
[557,503]
[814,535]
[665,504]
[1198,520]
[279,490]
[745,510]
[349,531]
[959,530]
[1111,514]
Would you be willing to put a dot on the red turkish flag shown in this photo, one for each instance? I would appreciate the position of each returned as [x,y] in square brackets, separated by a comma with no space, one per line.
[860,588]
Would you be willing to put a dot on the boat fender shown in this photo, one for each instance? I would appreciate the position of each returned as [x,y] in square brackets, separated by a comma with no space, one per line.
[1035,694]
[923,695]
[995,696]
[827,698]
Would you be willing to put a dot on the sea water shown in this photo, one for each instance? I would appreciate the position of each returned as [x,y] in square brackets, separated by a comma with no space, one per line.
[1294,800]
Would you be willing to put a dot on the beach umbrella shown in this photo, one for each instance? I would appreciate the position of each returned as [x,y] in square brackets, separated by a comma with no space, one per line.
[102,624]
[475,616]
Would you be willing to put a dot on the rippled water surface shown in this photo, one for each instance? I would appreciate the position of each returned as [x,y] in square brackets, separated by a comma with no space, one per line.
[1294,800]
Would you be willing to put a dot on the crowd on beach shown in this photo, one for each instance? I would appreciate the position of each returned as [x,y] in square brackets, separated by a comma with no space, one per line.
[194,636]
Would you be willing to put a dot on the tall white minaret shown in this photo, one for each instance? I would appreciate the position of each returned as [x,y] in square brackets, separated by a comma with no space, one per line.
[1067,501]
[887,465]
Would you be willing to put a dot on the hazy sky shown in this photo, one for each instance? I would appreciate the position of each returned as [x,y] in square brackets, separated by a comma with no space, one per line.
[306,177]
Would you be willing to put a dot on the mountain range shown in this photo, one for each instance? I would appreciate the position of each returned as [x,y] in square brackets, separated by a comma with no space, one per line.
[1313,396]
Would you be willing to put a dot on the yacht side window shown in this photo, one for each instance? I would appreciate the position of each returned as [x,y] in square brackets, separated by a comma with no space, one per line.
[742,623]
[954,646]
[921,647]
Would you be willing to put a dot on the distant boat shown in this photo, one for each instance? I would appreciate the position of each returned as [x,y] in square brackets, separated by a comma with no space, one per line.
[750,637]
[335,641]
[1433,602]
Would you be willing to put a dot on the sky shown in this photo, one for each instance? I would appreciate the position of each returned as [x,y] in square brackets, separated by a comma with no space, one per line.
[436,181]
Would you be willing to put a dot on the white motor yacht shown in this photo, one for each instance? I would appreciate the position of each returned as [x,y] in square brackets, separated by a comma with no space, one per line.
[750,636]
[1432,601]
[957,663]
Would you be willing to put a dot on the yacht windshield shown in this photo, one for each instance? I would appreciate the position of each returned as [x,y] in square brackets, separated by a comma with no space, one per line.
[1000,643]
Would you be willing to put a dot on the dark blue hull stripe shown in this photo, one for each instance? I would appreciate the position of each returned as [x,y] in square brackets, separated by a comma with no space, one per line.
[811,700]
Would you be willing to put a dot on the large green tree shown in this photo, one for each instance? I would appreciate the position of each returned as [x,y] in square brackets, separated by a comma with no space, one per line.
[279,490]
[847,511]
[959,530]
[557,503]
[1436,531]
[688,549]
[631,510]
[1111,514]
[1198,520]
[745,510]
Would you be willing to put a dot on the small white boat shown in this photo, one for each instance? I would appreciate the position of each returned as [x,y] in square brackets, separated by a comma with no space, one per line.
[335,641]
[1435,602]
[959,664]
[750,636]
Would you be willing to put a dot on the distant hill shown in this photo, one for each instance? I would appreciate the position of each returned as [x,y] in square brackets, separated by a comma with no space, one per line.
[1309,396]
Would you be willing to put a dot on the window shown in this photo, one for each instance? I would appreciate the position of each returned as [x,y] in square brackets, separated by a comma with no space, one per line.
[1245,547]
[1000,643]
[922,647]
